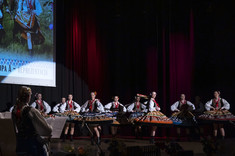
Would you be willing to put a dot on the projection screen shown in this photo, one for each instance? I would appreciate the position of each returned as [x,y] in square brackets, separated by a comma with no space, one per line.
[27,45]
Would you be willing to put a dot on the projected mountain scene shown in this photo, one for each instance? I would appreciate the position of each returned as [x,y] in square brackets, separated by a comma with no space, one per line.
[27,28]
[26,36]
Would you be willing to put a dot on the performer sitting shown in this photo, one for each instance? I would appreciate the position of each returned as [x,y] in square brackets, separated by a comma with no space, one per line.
[57,107]
[115,107]
[69,107]
[26,16]
[93,106]
[137,109]
[219,107]
[182,115]
[41,105]
[29,124]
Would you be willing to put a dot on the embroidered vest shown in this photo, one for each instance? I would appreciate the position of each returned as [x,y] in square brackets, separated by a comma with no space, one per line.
[118,108]
[92,106]
[68,106]
[181,104]
[38,106]
[217,105]
[137,109]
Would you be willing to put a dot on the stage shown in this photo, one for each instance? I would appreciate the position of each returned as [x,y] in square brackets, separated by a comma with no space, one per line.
[59,148]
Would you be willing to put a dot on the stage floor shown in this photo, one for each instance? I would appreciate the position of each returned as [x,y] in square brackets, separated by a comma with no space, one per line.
[58,147]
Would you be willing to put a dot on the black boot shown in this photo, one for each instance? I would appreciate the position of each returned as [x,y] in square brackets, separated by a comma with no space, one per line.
[64,137]
[98,140]
[152,140]
[71,138]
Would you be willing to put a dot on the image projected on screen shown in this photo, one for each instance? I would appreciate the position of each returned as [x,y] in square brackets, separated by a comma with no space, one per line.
[26,42]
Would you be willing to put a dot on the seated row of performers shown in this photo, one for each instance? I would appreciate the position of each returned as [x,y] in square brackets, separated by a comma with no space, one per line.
[94,105]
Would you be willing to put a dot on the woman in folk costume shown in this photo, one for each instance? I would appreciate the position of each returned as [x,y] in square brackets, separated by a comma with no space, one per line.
[115,107]
[57,107]
[137,106]
[69,106]
[94,106]
[217,112]
[27,17]
[136,109]
[154,117]
[153,106]
[182,104]
[182,115]
[41,105]
[30,126]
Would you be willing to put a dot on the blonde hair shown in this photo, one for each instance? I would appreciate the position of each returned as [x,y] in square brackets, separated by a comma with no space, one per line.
[94,93]
[23,97]
[23,94]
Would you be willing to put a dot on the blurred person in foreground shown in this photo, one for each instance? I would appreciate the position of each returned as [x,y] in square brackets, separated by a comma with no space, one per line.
[30,126]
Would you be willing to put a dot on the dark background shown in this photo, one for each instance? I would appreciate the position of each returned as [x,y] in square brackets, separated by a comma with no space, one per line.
[123,48]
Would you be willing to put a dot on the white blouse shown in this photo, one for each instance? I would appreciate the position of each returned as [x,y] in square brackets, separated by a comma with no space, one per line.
[132,106]
[100,107]
[63,107]
[112,105]
[45,104]
[226,105]
[175,106]
[151,106]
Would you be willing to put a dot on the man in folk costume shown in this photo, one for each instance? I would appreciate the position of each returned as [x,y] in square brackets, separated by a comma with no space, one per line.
[27,17]
[183,106]
[69,105]
[217,104]
[57,107]
[115,106]
[93,106]
[40,104]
